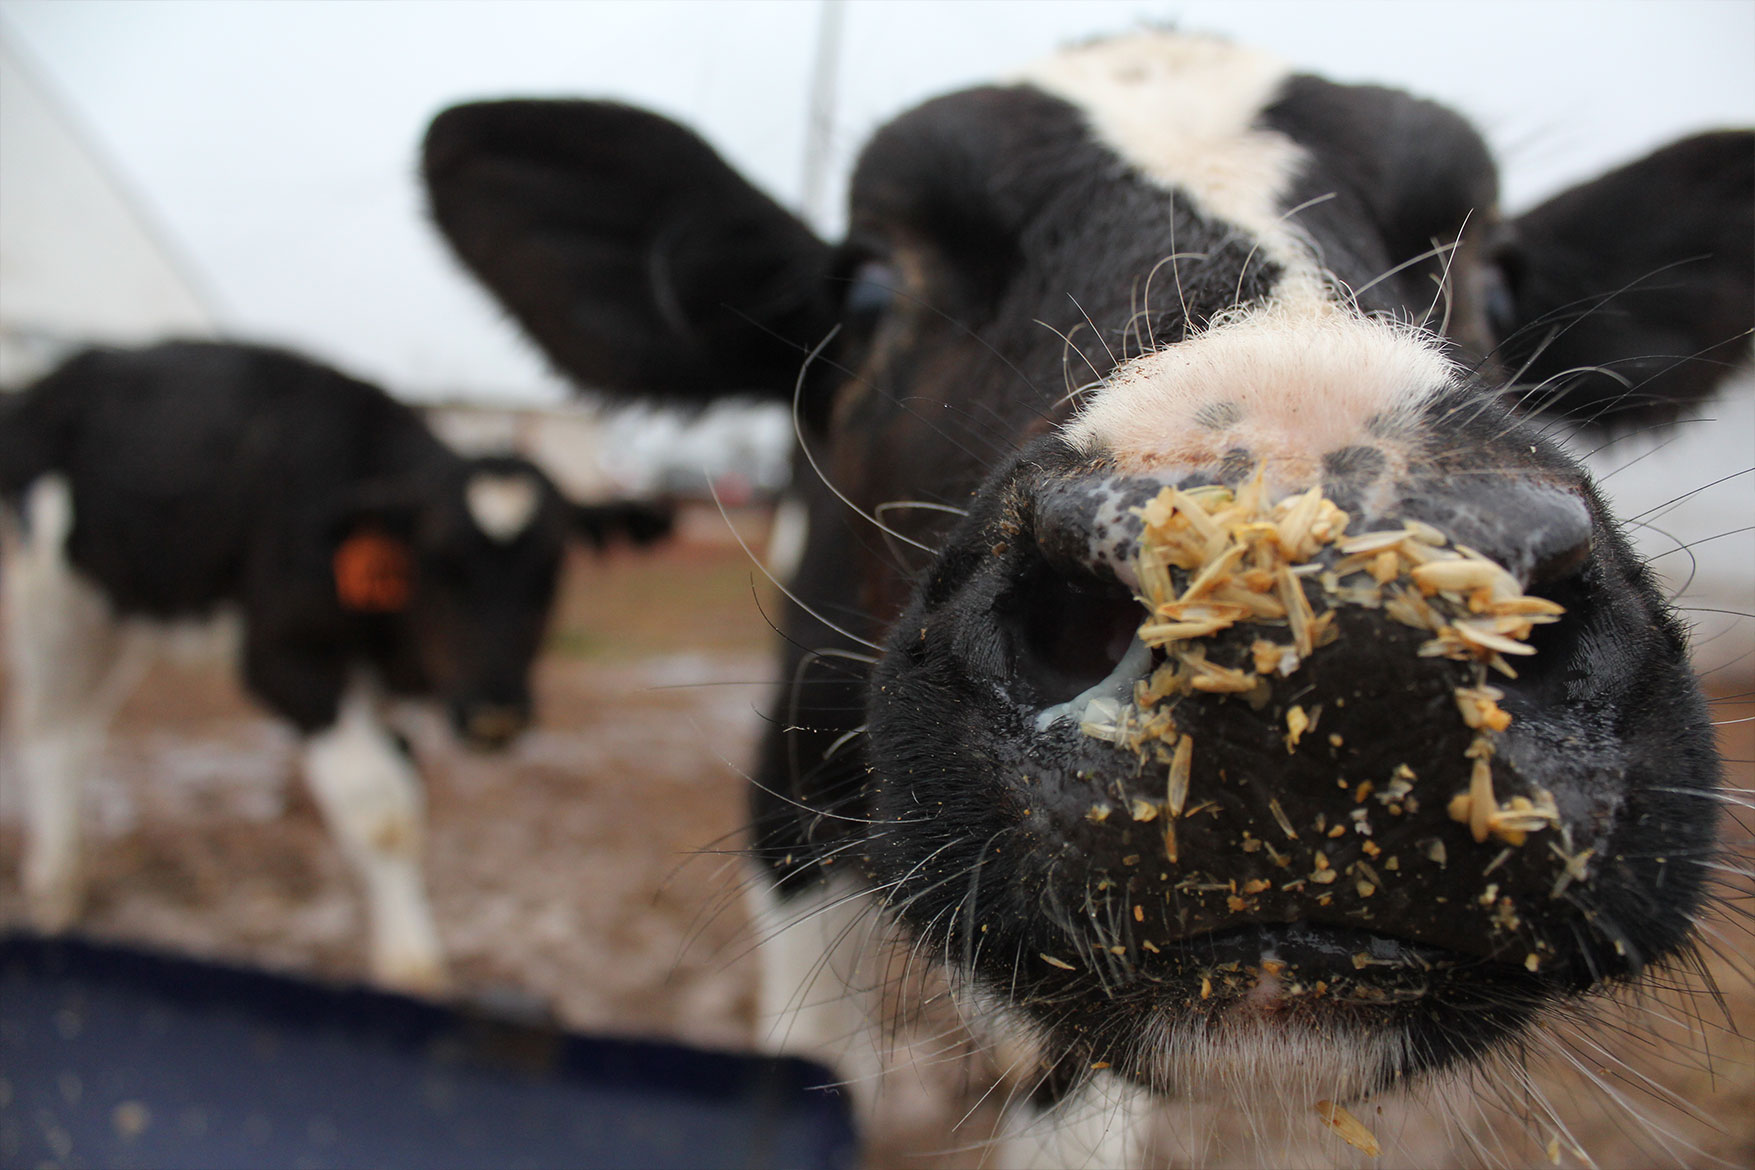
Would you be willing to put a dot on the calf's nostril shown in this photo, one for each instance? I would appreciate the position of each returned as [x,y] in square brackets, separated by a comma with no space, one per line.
[1558,567]
[1540,532]
[1067,634]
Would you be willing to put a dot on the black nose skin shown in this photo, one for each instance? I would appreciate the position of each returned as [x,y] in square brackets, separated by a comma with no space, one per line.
[1344,819]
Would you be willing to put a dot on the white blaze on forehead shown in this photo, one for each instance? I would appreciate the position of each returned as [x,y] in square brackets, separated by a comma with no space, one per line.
[502,505]
[1287,385]
[1182,110]
[1288,382]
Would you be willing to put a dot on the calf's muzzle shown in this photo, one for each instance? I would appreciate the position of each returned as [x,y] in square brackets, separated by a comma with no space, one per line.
[490,725]
[1263,725]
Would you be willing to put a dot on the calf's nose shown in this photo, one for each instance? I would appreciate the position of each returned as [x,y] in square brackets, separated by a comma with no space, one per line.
[1300,696]
[491,725]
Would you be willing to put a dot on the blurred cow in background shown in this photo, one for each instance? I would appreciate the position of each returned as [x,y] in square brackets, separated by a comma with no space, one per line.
[357,557]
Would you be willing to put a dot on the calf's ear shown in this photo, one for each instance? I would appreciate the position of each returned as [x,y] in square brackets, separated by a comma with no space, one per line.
[1648,272]
[629,250]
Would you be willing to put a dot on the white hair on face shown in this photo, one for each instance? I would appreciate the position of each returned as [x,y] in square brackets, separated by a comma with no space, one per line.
[1287,383]
[1182,110]
[502,505]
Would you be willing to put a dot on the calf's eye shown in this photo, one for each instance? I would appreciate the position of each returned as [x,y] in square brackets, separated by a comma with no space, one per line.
[871,291]
[1498,301]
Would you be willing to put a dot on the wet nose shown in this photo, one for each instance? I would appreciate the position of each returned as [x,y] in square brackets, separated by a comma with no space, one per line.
[1301,701]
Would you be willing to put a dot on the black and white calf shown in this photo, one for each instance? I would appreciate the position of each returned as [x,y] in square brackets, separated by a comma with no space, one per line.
[1223,790]
[357,557]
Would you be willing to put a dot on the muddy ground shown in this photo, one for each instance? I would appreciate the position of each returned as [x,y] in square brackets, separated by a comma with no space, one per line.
[588,872]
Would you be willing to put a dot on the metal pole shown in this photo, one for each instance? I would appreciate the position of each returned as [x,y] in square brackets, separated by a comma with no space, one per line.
[819,126]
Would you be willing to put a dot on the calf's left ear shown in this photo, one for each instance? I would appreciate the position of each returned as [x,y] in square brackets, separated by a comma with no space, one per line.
[1648,273]
[634,255]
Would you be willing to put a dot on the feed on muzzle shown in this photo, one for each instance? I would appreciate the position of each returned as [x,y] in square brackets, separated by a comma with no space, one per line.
[1283,578]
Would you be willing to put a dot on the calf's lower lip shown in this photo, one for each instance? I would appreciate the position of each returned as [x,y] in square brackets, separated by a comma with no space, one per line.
[1408,1007]
[1268,965]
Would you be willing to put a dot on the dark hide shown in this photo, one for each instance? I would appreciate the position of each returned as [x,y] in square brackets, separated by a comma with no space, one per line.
[619,272]
[1643,275]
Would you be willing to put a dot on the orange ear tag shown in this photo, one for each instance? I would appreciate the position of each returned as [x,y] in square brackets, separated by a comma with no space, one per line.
[373,573]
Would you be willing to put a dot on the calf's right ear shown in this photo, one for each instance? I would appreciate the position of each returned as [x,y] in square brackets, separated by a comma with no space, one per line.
[629,250]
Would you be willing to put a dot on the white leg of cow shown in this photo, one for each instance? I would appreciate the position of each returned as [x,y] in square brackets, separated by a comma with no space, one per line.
[66,678]
[375,808]
[819,997]
[52,764]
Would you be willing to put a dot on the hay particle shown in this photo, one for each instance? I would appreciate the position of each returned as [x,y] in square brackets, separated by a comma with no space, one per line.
[1297,722]
[1281,819]
[1181,766]
[1349,1128]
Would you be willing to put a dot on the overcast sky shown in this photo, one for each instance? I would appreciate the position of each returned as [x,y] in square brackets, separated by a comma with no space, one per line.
[272,144]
